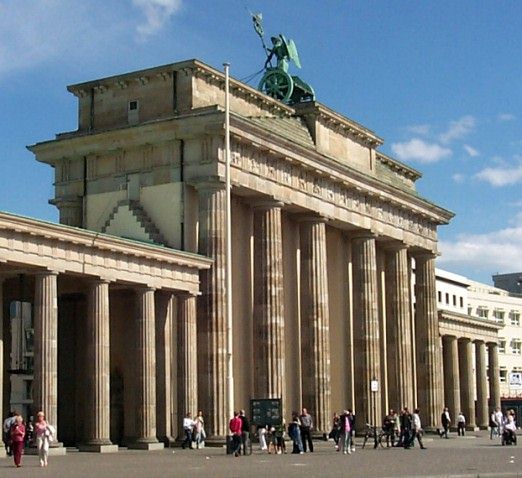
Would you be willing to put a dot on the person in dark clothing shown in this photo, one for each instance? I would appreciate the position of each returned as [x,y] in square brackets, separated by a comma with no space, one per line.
[406,423]
[306,427]
[245,431]
[446,421]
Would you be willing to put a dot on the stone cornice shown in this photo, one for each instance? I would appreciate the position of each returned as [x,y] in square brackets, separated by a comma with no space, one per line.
[455,318]
[41,245]
[395,165]
[344,125]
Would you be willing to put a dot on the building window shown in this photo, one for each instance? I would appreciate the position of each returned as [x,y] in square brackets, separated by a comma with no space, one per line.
[503,375]
[502,346]
[447,298]
[462,302]
[499,315]
[133,105]
[516,347]
[439,296]
[454,301]
[483,312]
[470,310]
[514,318]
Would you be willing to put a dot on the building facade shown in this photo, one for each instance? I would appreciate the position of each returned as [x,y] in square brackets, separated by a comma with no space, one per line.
[505,309]
[324,232]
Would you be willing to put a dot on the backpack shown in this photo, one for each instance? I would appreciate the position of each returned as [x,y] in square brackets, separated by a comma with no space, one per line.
[50,433]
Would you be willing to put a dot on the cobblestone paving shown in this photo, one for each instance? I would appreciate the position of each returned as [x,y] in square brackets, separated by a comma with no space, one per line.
[471,456]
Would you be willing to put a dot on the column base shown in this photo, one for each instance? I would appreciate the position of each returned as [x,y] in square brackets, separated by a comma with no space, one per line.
[168,441]
[215,441]
[3,454]
[317,435]
[472,428]
[98,448]
[146,446]
[56,449]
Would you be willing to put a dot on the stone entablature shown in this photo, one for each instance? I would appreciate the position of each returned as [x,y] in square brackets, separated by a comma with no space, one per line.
[465,326]
[61,249]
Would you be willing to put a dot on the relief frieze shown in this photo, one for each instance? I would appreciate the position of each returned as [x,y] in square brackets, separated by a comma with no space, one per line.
[259,163]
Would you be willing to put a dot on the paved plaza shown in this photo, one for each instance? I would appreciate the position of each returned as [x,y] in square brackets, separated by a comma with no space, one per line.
[471,456]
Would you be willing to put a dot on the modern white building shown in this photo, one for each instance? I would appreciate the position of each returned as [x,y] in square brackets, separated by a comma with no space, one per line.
[504,308]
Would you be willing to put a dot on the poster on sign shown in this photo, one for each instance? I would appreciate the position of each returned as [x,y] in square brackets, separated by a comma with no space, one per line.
[515,379]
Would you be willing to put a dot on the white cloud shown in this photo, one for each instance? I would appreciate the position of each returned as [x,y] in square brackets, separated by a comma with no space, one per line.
[422,129]
[420,151]
[470,150]
[157,14]
[506,117]
[481,251]
[502,176]
[458,129]
[34,32]
[458,178]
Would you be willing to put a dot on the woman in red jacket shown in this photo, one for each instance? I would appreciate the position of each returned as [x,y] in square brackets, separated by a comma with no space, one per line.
[17,437]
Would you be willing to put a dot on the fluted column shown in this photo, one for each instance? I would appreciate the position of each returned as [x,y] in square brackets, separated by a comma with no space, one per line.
[482,385]
[494,376]
[146,373]
[98,371]
[429,360]
[315,322]
[467,396]
[366,331]
[45,384]
[165,318]
[212,326]
[269,325]
[451,375]
[187,357]
[400,350]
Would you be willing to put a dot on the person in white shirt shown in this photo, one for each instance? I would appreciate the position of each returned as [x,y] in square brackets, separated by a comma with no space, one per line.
[188,428]
[510,428]
[461,424]
[416,426]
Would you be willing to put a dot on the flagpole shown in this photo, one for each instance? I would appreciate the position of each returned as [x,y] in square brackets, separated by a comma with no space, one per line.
[230,372]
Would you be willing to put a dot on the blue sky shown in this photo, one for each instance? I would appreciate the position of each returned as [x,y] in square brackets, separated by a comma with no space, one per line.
[438,80]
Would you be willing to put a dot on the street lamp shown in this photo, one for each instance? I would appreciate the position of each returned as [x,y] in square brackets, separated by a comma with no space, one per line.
[374,388]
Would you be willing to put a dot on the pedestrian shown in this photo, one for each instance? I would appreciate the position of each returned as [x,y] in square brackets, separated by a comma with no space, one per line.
[406,428]
[499,420]
[446,421]
[346,432]
[235,425]
[6,432]
[306,428]
[245,431]
[461,424]
[188,429]
[199,429]
[261,433]
[416,426]
[335,432]
[44,435]
[351,417]
[17,438]
[294,432]
[388,427]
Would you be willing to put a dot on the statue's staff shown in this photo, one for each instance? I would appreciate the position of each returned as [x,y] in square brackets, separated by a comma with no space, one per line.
[257,19]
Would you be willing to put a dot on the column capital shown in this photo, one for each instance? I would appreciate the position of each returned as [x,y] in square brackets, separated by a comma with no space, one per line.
[311,217]
[394,246]
[210,183]
[46,273]
[425,255]
[266,203]
[362,235]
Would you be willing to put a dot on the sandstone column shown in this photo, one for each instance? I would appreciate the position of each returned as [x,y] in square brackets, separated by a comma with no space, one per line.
[71,210]
[212,326]
[366,332]
[98,378]
[269,336]
[494,375]
[187,357]
[45,384]
[429,360]
[315,323]
[451,376]
[165,317]
[482,385]
[400,350]
[466,379]
[146,372]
